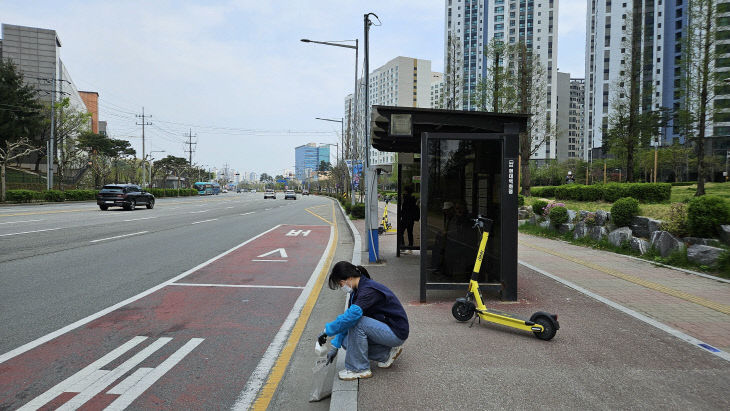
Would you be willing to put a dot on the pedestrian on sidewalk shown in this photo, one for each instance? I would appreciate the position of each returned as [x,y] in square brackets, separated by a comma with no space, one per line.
[374,326]
[409,214]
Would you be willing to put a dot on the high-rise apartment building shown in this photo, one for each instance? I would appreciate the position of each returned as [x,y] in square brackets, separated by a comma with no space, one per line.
[569,107]
[472,24]
[437,90]
[307,159]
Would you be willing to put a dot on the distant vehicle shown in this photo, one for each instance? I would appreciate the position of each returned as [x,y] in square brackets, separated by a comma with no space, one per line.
[253,190]
[224,191]
[127,196]
[238,190]
[305,192]
[269,194]
[290,194]
[206,188]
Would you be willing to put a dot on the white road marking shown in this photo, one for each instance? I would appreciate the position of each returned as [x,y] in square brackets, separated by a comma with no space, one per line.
[267,209]
[137,219]
[273,261]
[294,233]
[204,221]
[281,251]
[239,285]
[34,231]
[50,336]
[229,207]
[258,376]
[118,236]
[23,221]
[250,212]
[682,336]
[195,212]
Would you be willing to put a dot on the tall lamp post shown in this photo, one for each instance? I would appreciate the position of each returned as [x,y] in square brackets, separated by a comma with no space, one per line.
[371,198]
[148,158]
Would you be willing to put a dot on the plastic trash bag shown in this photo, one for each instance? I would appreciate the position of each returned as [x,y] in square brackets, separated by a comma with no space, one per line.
[322,379]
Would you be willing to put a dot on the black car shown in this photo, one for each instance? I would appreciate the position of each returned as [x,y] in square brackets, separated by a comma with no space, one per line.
[127,196]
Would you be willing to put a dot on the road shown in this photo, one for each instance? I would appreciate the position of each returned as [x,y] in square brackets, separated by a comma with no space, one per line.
[200,336]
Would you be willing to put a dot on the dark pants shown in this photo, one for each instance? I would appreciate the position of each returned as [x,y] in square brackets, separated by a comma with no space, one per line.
[407,226]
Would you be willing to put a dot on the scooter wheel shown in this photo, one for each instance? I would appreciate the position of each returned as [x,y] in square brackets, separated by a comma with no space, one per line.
[462,311]
[548,329]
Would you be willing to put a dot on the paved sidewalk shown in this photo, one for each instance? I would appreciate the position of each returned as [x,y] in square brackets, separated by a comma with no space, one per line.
[601,357]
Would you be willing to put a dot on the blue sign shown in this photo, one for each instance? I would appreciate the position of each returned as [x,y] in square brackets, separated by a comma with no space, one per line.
[281,181]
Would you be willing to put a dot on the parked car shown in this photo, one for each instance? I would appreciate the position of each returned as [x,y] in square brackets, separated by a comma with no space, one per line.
[269,194]
[290,194]
[305,192]
[127,196]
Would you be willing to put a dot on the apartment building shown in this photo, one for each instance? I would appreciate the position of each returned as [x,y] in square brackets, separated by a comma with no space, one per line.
[569,123]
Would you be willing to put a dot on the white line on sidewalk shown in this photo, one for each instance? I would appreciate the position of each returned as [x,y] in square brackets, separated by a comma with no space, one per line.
[118,236]
[23,221]
[239,285]
[34,231]
[204,221]
[682,336]
[48,337]
[137,219]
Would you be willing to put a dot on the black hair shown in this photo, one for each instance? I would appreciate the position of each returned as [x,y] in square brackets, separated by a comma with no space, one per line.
[344,270]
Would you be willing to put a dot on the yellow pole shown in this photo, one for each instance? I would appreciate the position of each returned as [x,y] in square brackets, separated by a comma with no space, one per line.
[604,172]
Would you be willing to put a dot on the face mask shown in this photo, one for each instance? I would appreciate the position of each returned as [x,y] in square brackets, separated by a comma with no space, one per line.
[346,288]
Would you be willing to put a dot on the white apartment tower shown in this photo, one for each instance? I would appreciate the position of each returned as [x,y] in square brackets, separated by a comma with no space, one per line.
[570,140]
[437,90]
[473,23]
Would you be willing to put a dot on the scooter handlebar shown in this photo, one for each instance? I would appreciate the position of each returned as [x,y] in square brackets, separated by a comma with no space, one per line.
[483,223]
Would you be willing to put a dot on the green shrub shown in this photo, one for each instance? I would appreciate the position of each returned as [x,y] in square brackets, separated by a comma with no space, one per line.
[614,191]
[705,215]
[683,183]
[558,215]
[676,222]
[520,200]
[80,195]
[348,207]
[358,210]
[157,192]
[723,263]
[19,196]
[53,195]
[624,210]
[538,206]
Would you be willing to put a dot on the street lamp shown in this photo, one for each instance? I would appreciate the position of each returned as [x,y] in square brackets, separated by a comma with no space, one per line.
[149,156]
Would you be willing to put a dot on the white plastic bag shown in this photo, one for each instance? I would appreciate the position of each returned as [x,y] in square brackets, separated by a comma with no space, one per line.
[324,375]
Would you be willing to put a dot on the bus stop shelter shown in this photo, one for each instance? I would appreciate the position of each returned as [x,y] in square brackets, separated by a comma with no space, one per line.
[456,165]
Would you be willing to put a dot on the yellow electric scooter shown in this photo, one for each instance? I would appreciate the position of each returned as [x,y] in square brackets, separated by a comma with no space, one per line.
[542,324]
[385,226]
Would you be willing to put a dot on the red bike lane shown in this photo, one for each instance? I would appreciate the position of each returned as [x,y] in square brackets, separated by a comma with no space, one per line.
[192,343]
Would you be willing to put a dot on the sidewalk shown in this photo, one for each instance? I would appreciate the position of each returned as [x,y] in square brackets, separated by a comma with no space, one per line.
[601,357]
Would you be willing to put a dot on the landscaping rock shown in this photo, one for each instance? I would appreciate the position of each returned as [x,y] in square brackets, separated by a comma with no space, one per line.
[655,225]
[725,233]
[665,243]
[597,233]
[566,228]
[533,219]
[571,215]
[546,223]
[619,236]
[523,214]
[688,241]
[582,214]
[640,245]
[580,230]
[704,254]
[521,222]
[640,227]
[602,217]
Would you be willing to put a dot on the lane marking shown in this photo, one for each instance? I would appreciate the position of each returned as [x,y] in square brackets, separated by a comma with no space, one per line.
[276,359]
[273,261]
[267,209]
[281,251]
[204,221]
[317,215]
[47,212]
[682,336]
[229,207]
[22,221]
[118,236]
[240,286]
[50,336]
[137,219]
[196,212]
[34,231]
[723,308]
[250,212]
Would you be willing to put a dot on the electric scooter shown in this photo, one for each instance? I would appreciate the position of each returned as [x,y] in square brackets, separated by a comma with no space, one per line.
[542,324]
[385,226]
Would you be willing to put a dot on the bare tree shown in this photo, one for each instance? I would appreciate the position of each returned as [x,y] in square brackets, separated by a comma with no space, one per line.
[10,151]
[496,91]
[453,77]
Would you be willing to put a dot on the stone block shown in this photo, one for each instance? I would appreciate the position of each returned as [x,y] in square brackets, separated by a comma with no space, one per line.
[619,236]
[665,243]
[580,230]
[582,214]
[725,233]
[640,245]
[640,227]
[688,241]
[566,228]
[523,214]
[533,219]
[602,217]
[546,223]
[597,232]
[655,225]
[571,215]
[704,254]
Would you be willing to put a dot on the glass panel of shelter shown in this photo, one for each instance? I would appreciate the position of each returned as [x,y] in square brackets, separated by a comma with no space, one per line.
[409,179]
[464,180]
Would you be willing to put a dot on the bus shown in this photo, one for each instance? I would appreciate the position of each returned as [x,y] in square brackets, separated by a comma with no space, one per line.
[206,188]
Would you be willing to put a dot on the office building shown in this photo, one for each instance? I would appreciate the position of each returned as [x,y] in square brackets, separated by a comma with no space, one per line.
[472,24]
[307,159]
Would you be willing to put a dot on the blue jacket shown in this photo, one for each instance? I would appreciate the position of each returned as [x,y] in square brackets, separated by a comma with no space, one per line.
[374,300]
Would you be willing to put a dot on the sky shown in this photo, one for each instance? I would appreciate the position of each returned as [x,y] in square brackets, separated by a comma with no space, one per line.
[234,73]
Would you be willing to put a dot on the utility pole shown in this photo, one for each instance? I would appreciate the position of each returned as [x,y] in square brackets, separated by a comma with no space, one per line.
[190,145]
[143,123]
[51,143]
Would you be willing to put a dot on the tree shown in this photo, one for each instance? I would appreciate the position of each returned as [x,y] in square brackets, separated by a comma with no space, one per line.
[20,118]
[324,166]
[453,76]
[172,165]
[265,178]
[698,80]
[495,92]
[70,123]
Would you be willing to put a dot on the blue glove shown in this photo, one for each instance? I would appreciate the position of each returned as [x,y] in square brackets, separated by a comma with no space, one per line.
[331,355]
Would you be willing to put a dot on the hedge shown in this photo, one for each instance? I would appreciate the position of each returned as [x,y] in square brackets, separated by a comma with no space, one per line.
[643,192]
[80,195]
[358,210]
[705,214]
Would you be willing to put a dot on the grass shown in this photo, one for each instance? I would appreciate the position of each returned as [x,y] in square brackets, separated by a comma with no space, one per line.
[676,259]
[680,194]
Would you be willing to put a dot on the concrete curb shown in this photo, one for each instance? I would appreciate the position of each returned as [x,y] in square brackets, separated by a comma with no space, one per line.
[344,393]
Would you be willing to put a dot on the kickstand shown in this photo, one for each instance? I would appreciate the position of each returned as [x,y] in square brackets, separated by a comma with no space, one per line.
[474,318]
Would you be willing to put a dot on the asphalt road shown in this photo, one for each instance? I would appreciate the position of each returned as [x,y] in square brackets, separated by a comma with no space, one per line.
[61,263]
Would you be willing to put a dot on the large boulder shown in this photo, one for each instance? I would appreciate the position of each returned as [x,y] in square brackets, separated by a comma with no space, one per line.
[523,213]
[725,233]
[583,214]
[602,217]
[704,254]
[688,241]
[655,225]
[565,228]
[534,219]
[619,236]
[665,243]
[640,227]
[571,215]
[546,223]
[580,230]
[597,233]
[640,245]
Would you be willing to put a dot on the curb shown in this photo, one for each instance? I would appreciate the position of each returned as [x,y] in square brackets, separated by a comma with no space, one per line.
[344,393]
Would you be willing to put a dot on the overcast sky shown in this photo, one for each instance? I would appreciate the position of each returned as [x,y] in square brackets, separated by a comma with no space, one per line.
[235,72]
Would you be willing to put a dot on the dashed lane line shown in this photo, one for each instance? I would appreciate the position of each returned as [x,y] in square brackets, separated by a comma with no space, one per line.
[33,231]
[138,219]
[723,308]
[22,221]
[118,236]
[204,221]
